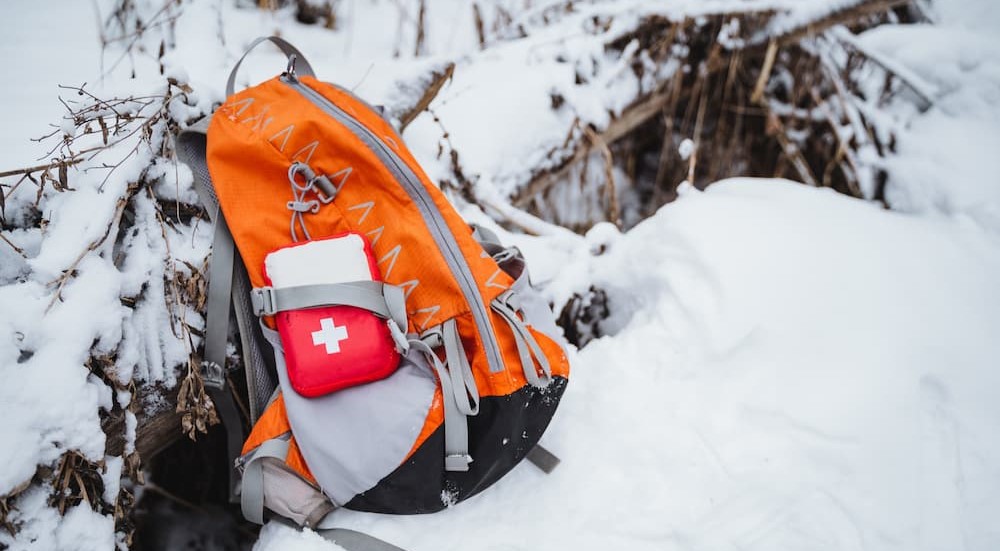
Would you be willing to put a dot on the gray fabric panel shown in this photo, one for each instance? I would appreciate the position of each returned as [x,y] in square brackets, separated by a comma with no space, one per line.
[354,437]
[302,66]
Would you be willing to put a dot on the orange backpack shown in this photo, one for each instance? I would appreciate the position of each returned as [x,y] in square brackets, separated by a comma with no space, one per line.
[481,369]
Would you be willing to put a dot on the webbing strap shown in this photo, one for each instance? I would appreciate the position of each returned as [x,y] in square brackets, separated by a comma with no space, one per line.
[299,62]
[368,295]
[384,300]
[220,275]
[352,540]
[456,424]
[463,383]
[252,499]
[527,345]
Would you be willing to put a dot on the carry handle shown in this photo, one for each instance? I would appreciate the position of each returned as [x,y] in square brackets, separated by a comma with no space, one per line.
[295,58]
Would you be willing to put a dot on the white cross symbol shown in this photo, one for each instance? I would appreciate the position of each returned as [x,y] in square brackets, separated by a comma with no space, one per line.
[329,335]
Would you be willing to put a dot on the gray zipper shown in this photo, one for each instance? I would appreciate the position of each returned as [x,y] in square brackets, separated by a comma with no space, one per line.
[432,216]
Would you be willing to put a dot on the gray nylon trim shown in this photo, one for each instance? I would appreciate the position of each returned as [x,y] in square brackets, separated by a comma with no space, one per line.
[432,217]
[252,499]
[302,66]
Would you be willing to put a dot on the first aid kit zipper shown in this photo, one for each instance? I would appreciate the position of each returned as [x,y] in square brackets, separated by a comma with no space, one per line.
[433,219]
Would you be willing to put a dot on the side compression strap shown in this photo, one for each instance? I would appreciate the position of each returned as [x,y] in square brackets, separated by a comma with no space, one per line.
[456,424]
[527,346]
[463,384]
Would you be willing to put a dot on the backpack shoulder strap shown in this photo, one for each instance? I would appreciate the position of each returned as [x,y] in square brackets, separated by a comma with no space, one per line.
[227,281]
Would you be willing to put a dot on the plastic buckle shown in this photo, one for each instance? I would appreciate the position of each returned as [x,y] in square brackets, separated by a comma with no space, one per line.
[398,337]
[324,188]
[304,206]
[457,463]
[262,301]
[509,299]
[213,375]
[433,337]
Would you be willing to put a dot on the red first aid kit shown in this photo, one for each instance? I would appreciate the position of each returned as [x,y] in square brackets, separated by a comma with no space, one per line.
[329,348]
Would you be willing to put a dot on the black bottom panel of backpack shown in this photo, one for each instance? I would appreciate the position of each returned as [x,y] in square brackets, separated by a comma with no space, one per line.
[504,431]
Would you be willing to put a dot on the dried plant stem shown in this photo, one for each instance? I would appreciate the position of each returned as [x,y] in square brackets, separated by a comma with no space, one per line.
[69,272]
[39,168]
[438,80]
[17,249]
[765,72]
[693,161]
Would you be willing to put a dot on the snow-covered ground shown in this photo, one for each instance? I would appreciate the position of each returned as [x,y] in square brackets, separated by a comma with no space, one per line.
[785,367]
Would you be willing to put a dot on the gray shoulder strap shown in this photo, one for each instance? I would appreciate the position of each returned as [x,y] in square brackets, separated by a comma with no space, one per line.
[295,59]
[261,381]
[352,540]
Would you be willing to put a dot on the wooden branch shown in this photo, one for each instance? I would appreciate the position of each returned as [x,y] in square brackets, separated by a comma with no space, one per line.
[39,168]
[925,91]
[791,150]
[834,18]
[17,249]
[633,116]
[765,72]
[438,79]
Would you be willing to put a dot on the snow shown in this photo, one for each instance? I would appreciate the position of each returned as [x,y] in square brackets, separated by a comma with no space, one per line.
[947,158]
[784,367]
[786,370]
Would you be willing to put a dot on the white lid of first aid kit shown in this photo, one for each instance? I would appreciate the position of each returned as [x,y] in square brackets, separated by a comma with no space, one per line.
[334,260]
